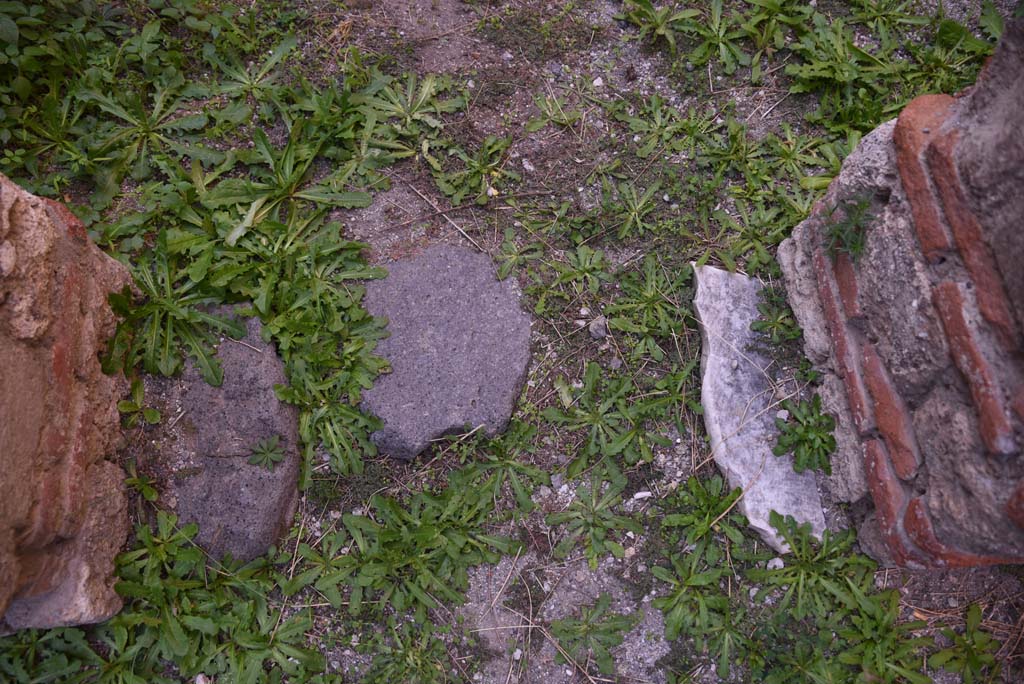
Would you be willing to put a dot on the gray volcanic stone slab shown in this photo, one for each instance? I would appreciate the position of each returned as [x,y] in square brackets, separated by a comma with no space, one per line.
[459,347]
[241,508]
[736,394]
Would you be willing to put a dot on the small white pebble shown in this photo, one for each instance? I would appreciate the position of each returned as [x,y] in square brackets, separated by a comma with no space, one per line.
[584,312]
[782,415]
[642,495]
[517,654]
[530,168]
[598,82]
[630,552]
[202,679]
[775,563]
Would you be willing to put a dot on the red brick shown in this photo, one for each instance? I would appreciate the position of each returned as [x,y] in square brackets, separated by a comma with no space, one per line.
[1015,506]
[925,113]
[846,279]
[894,421]
[888,493]
[919,528]
[843,343]
[890,497]
[992,300]
[995,428]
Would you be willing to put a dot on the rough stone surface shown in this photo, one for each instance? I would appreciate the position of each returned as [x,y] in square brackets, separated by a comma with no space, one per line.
[459,347]
[241,509]
[62,507]
[737,396]
[564,588]
[932,310]
[989,156]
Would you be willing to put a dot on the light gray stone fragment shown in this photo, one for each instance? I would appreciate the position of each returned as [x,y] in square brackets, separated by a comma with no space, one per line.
[736,393]
[459,347]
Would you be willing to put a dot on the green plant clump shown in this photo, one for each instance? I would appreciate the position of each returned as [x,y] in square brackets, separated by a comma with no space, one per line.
[807,434]
[268,452]
[593,633]
[848,233]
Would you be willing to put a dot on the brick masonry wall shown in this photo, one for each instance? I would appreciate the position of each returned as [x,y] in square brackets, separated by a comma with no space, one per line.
[923,329]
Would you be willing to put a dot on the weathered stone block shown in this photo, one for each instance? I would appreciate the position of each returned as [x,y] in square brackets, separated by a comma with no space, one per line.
[459,347]
[242,509]
[62,508]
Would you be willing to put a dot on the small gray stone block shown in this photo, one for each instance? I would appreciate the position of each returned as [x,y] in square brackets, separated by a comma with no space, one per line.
[736,394]
[241,508]
[459,348]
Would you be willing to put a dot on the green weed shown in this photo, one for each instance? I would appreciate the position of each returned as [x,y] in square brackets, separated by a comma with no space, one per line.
[693,593]
[719,36]
[613,425]
[410,557]
[411,653]
[268,452]
[651,306]
[658,23]
[589,520]
[706,507]
[481,175]
[133,411]
[590,636]
[812,579]
[553,110]
[848,232]
[807,434]
[970,654]
[776,321]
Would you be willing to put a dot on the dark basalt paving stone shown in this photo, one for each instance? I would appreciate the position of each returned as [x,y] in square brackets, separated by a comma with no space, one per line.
[242,509]
[459,347]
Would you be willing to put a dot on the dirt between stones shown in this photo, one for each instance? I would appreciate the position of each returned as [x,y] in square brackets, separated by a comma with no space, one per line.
[509,605]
